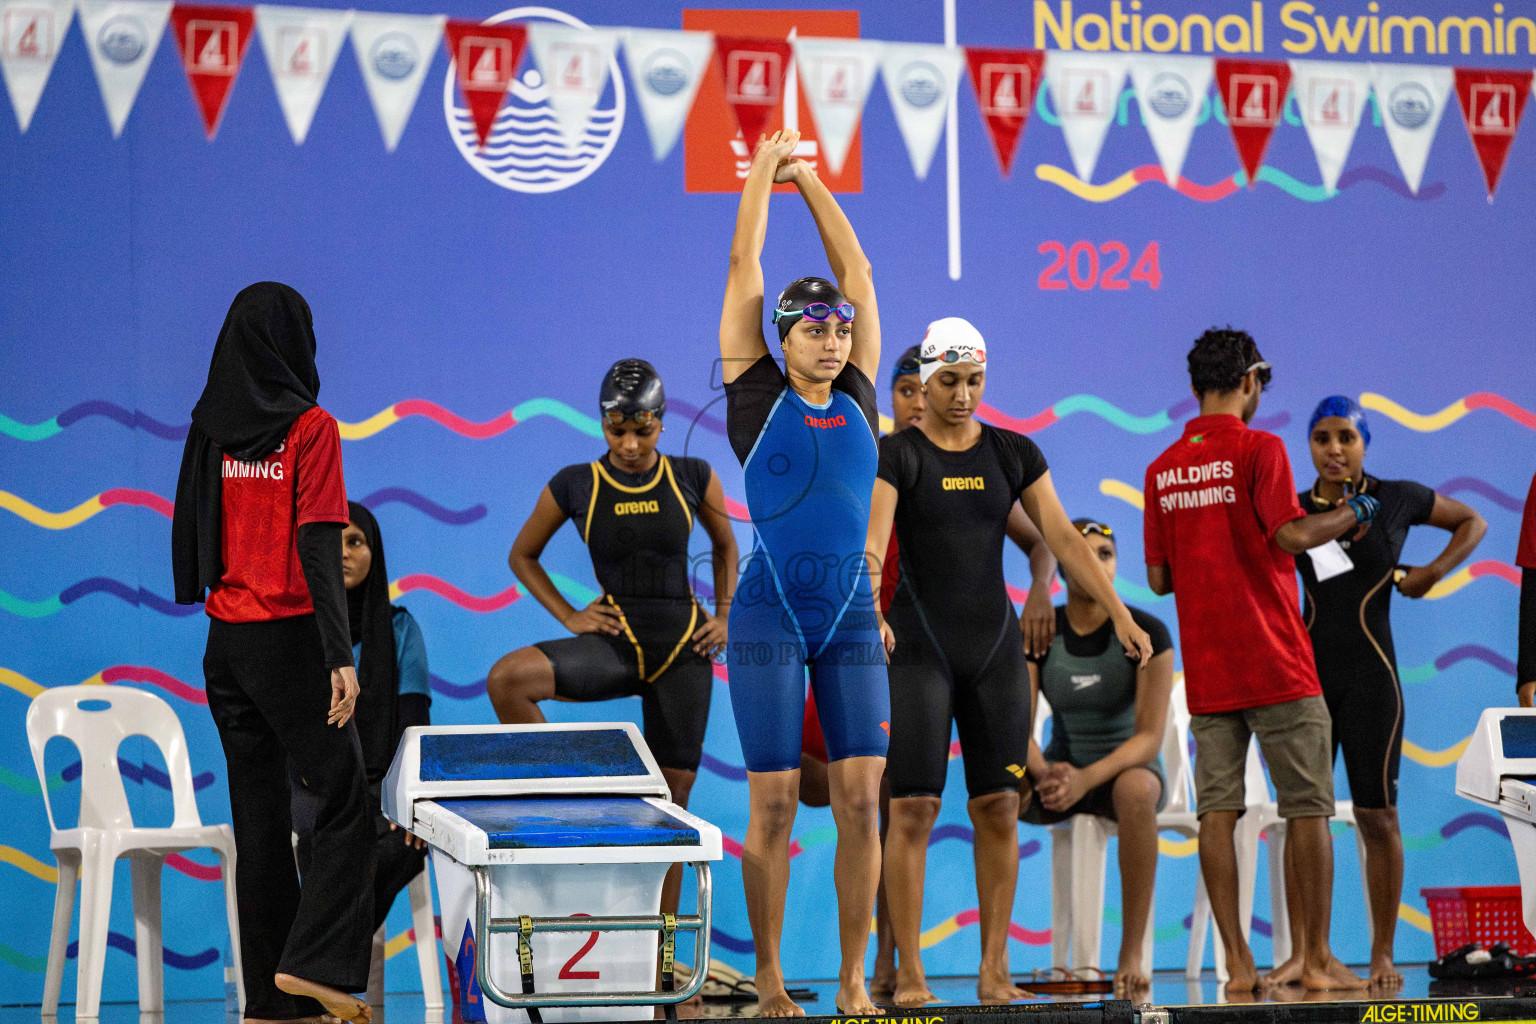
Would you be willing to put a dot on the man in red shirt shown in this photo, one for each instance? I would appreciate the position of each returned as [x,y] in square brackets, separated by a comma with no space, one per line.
[1222,527]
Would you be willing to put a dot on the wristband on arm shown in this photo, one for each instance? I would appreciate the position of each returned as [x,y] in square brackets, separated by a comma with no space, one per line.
[1365,507]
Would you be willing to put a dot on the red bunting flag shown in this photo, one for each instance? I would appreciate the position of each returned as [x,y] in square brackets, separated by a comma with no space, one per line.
[1006,82]
[211,40]
[1491,104]
[1253,93]
[485,61]
[753,71]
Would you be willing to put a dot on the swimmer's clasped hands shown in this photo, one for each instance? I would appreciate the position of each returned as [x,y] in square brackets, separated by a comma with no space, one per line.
[779,148]
[597,617]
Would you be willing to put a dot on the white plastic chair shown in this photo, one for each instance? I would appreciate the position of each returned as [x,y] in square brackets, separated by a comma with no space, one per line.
[1343,813]
[419,891]
[1079,862]
[105,832]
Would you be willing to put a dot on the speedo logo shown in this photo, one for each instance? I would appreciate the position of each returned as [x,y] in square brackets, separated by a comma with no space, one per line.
[825,423]
[965,483]
[635,508]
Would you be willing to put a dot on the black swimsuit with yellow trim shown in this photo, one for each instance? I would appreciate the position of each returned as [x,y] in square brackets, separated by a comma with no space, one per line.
[1348,616]
[636,529]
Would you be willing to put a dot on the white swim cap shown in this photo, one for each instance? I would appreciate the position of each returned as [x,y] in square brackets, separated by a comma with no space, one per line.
[951,340]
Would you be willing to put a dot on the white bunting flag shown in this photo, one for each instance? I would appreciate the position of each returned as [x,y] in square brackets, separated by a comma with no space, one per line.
[394,52]
[122,36]
[920,81]
[1170,92]
[300,44]
[574,63]
[1085,88]
[666,69]
[1330,96]
[1411,98]
[31,32]
[835,77]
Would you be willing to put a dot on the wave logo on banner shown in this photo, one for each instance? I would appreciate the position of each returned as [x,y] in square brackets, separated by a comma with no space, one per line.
[122,36]
[920,81]
[1085,88]
[575,65]
[30,36]
[300,44]
[1491,103]
[1170,91]
[836,76]
[1412,98]
[1253,92]
[211,40]
[394,52]
[525,149]
[666,68]
[1005,83]
[1331,95]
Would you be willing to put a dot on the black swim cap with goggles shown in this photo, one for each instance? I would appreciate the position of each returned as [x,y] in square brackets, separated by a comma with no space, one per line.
[632,391]
[809,298]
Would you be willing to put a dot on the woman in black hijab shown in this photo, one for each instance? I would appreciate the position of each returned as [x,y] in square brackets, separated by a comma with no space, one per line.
[392,670]
[260,509]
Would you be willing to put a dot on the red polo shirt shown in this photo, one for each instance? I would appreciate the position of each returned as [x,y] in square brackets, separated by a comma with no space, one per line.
[1214,500]
[264,504]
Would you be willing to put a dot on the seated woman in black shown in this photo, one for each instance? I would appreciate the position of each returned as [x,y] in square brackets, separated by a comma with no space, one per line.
[647,636]
[1107,720]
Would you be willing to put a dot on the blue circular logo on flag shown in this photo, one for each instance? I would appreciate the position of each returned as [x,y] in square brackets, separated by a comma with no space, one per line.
[666,73]
[1169,95]
[1410,105]
[921,84]
[394,55]
[123,39]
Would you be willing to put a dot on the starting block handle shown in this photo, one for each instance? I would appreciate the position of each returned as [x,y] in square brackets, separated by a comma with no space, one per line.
[485,926]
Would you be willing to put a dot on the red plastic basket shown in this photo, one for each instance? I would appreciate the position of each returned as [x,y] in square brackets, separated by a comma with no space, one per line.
[1477,913]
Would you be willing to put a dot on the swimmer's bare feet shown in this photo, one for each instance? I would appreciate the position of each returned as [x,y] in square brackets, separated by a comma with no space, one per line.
[995,987]
[319,1018]
[335,1001]
[1288,973]
[853,1000]
[883,985]
[1332,975]
[772,999]
[1384,973]
[1130,979]
[1244,977]
[912,987]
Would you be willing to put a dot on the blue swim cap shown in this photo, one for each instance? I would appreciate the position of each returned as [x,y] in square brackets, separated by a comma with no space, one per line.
[1345,408]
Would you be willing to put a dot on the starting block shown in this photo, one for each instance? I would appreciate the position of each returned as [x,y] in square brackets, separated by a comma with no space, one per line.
[550,844]
[1498,771]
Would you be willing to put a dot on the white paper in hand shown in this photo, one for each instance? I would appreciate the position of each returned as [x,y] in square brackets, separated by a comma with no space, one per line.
[1329,560]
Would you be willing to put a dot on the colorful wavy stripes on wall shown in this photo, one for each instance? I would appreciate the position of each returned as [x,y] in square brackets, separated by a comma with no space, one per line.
[114,674]
[1451,413]
[117,941]
[1130,180]
[577,593]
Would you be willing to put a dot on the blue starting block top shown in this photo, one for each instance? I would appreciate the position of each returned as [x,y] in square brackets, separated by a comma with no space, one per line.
[526,823]
[493,756]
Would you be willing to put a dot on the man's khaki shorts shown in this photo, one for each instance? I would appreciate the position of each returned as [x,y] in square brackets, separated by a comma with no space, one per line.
[1296,738]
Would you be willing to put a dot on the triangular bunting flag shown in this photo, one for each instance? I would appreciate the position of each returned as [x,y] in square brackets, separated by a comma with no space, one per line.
[485,60]
[122,36]
[1411,98]
[31,32]
[1085,88]
[394,52]
[1170,92]
[835,78]
[1491,104]
[211,40]
[574,63]
[300,44]
[1253,92]
[666,68]
[753,71]
[1330,95]
[920,80]
[1005,83]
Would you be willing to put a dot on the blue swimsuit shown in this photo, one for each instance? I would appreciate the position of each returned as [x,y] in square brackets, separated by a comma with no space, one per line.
[804,599]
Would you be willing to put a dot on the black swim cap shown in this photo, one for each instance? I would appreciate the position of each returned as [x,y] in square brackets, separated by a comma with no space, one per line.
[802,293]
[631,386]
